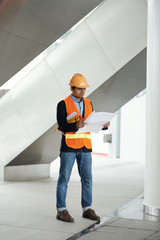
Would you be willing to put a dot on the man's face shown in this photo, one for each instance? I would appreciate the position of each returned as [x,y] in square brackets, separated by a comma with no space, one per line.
[78,92]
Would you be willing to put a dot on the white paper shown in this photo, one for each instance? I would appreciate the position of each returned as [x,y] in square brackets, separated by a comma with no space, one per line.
[95,121]
[72,115]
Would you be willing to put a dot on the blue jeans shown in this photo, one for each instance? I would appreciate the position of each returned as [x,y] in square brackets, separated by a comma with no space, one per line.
[84,162]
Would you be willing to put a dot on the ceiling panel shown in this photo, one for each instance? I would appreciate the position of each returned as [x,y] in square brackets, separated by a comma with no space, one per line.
[80,53]
[35,98]
[121,39]
[31,26]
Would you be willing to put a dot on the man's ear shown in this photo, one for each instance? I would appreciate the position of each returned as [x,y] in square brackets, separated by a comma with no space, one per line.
[72,90]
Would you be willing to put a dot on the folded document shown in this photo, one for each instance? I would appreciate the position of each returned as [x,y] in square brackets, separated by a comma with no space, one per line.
[95,121]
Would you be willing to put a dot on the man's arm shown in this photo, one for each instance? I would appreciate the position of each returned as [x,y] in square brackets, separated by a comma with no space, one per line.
[105,126]
[61,119]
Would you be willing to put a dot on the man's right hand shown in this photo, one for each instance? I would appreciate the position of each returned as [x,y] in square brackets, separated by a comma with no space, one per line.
[80,124]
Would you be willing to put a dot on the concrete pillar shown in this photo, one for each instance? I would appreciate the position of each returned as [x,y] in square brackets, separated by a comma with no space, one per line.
[152,171]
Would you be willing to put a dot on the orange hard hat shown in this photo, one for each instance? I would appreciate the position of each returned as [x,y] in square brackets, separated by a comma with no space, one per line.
[79,81]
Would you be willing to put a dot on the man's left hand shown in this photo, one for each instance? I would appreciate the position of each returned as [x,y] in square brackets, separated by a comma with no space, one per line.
[106,125]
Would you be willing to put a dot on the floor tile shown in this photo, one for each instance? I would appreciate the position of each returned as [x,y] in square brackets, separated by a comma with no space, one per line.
[111,233]
[136,224]
[117,233]
[30,234]
[155,236]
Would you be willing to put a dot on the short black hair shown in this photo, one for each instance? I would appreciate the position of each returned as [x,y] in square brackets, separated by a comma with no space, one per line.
[73,87]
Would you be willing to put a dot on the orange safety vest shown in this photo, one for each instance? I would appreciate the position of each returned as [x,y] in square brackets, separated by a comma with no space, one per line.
[72,139]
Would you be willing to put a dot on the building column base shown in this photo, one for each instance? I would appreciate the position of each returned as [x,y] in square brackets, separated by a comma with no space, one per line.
[151,211]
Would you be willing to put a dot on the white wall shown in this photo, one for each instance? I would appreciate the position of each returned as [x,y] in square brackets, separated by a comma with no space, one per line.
[133,130]
[99,146]
[1,171]
[113,130]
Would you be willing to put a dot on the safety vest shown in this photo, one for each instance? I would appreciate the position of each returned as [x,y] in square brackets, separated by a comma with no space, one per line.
[72,139]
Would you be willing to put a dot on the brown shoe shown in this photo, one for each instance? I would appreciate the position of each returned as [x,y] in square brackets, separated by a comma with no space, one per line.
[90,214]
[64,216]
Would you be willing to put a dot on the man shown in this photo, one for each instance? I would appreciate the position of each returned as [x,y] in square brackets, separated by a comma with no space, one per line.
[75,146]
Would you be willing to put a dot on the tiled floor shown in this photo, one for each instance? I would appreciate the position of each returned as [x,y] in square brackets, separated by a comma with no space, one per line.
[27,209]
[127,223]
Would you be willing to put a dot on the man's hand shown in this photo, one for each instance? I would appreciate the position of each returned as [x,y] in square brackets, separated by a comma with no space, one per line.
[107,124]
[80,124]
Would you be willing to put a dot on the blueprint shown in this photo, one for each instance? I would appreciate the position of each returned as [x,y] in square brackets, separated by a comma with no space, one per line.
[95,121]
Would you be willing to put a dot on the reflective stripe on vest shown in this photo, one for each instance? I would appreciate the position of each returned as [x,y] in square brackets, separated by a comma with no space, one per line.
[76,136]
